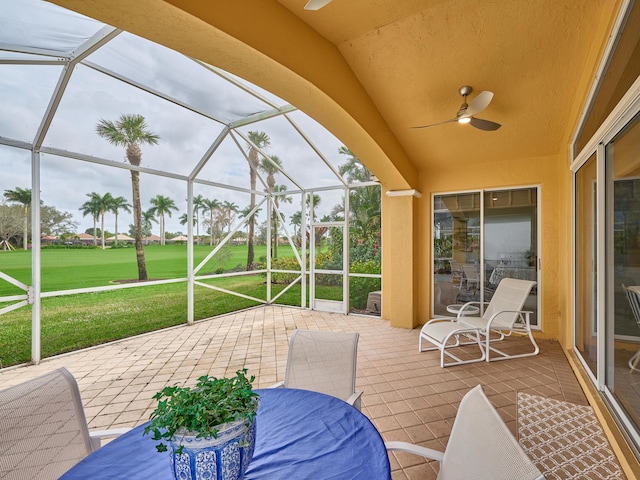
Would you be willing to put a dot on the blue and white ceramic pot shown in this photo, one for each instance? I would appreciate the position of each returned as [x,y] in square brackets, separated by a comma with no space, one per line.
[223,458]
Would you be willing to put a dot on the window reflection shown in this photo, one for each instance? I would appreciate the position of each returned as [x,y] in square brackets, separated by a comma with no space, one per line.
[623,167]
[505,223]
[586,228]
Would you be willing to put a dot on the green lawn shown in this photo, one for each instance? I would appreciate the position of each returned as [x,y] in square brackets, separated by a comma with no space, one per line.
[63,269]
[78,321]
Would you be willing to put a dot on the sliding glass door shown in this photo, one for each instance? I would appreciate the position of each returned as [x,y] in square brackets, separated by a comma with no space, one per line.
[479,238]
[586,264]
[622,324]
[607,270]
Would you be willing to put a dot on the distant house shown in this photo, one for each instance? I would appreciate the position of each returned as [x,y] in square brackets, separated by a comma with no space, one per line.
[151,239]
[48,239]
[178,238]
[85,238]
[121,238]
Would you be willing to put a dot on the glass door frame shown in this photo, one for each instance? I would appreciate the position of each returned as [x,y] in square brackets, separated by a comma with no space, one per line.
[320,304]
[539,253]
[617,121]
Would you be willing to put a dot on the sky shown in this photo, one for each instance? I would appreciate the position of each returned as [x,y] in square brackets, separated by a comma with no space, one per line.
[185,134]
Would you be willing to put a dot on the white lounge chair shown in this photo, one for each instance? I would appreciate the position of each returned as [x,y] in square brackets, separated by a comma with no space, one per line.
[43,429]
[501,317]
[633,295]
[480,446]
[324,362]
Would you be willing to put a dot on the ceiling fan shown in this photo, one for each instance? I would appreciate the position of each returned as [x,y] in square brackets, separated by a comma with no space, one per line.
[466,112]
[316,4]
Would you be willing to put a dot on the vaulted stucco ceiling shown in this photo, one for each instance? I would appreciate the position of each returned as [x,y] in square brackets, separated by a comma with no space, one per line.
[370,70]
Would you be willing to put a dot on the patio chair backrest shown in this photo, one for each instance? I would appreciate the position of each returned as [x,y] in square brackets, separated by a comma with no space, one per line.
[482,447]
[509,297]
[43,429]
[324,362]
[471,271]
[633,295]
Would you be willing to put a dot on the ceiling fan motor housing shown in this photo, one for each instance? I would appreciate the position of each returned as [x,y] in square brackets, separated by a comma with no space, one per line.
[465,90]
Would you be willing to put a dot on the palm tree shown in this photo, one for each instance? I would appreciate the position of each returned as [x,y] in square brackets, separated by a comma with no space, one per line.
[258,140]
[244,213]
[353,169]
[22,196]
[147,217]
[119,203]
[104,204]
[311,214]
[130,131]
[197,205]
[277,199]
[162,206]
[228,210]
[184,218]
[92,207]
[316,202]
[364,204]
[210,205]
[296,221]
[271,166]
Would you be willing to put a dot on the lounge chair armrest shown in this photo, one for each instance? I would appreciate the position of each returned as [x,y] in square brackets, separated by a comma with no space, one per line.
[277,385]
[440,319]
[415,449]
[472,305]
[354,399]
[96,436]
[526,313]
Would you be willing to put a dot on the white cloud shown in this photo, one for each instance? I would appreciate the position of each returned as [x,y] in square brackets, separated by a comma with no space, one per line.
[185,135]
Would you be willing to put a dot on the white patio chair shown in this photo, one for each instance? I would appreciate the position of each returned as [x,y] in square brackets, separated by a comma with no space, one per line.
[502,317]
[633,295]
[43,429]
[480,446]
[471,278]
[324,362]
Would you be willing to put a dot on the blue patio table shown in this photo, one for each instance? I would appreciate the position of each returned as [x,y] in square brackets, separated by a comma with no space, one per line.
[300,435]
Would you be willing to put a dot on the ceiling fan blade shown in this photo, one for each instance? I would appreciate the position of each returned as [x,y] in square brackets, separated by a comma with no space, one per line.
[479,103]
[486,125]
[439,123]
[316,4]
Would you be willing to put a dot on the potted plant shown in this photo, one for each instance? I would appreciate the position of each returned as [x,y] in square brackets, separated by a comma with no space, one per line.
[210,428]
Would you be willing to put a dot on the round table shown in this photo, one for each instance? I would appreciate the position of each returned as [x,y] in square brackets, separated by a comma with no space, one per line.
[469,310]
[300,435]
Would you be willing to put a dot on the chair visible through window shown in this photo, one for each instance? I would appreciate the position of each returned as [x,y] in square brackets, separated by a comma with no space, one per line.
[471,277]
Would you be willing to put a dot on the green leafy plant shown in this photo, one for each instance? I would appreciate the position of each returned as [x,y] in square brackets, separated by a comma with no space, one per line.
[201,409]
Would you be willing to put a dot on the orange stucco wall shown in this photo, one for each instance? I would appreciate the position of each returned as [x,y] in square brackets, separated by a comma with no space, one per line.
[553,177]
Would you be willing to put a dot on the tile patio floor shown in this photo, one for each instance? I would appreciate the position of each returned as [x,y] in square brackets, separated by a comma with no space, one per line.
[406,393]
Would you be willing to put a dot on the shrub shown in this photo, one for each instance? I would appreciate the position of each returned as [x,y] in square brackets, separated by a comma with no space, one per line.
[282,263]
[360,287]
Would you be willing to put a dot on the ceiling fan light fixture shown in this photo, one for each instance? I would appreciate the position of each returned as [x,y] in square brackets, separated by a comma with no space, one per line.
[316,4]
[466,112]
